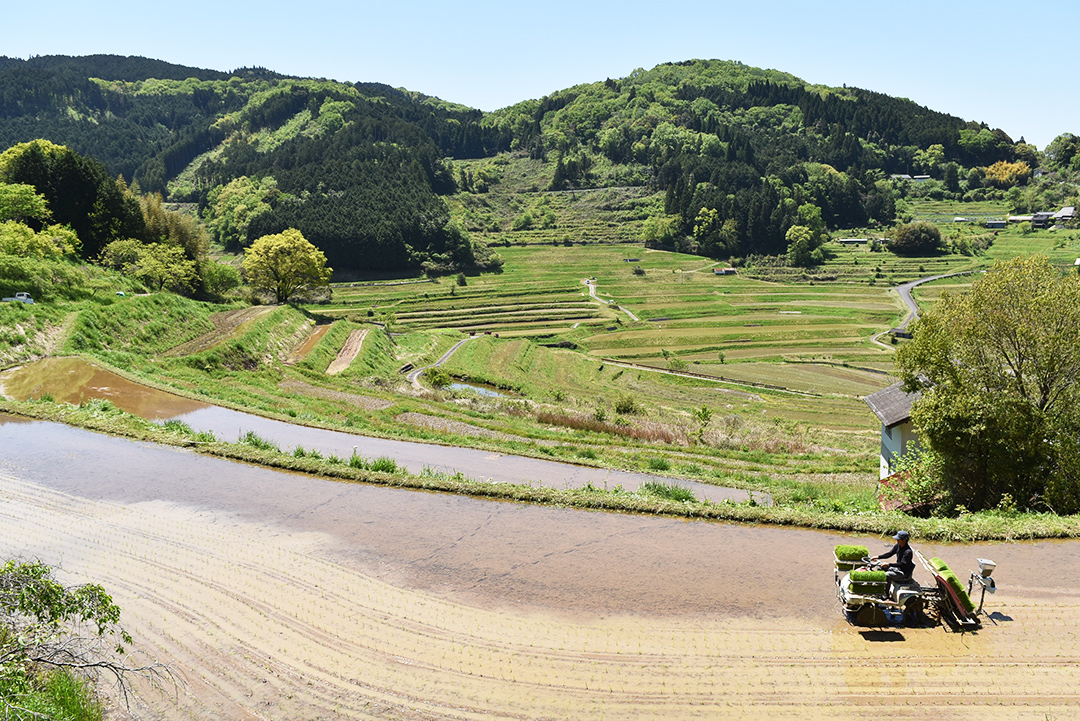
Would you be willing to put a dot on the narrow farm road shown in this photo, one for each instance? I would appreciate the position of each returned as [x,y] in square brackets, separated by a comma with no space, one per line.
[414,374]
[904,291]
[592,291]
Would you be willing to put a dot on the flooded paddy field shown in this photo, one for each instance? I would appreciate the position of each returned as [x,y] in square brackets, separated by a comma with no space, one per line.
[282,596]
[73,380]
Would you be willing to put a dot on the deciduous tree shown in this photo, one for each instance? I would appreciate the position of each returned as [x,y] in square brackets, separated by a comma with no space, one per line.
[918,238]
[999,372]
[285,263]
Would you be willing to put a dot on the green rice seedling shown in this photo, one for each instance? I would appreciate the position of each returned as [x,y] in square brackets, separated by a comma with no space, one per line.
[334,459]
[868,581]
[205,437]
[954,583]
[846,552]
[299,452]
[358,461]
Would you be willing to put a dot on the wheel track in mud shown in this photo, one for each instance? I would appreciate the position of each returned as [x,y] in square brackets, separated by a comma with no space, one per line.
[265,628]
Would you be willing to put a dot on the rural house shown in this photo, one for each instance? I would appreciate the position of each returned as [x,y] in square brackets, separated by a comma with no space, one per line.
[892,406]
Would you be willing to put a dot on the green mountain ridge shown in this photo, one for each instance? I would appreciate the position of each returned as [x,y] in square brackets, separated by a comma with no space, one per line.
[363,169]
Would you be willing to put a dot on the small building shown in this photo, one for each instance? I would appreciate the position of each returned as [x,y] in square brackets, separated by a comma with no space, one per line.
[851,241]
[1065,215]
[1041,220]
[920,178]
[1020,218]
[723,271]
[892,406]
[996,224]
[900,176]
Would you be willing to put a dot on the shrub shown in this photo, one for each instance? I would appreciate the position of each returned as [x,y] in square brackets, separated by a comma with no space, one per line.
[437,377]
[659,464]
[628,405]
[919,238]
[669,491]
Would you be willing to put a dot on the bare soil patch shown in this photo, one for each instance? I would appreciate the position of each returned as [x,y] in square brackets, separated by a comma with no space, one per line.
[300,350]
[226,325]
[348,352]
[281,596]
[366,402]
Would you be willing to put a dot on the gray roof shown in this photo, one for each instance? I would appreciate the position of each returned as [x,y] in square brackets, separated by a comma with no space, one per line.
[891,405]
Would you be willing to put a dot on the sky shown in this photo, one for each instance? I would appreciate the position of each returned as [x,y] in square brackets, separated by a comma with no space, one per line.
[1009,65]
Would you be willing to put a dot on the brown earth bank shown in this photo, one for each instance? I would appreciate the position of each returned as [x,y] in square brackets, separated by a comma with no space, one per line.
[285,597]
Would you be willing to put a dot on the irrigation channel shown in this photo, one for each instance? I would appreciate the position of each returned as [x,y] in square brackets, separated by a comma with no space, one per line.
[73,380]
[283,596]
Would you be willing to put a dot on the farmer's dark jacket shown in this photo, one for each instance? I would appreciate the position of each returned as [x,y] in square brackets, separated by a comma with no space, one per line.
[905,558]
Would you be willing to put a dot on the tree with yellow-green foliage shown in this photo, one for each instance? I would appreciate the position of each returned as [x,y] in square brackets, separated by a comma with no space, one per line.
[284,264]
[1004,174]
[21,202]
[54,241]
[157,265]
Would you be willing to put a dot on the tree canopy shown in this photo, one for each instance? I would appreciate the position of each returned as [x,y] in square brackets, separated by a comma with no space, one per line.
[285,263]
[999,372]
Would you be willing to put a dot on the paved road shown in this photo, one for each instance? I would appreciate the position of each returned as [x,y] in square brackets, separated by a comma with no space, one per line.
[414,374]
[904,291]
[905,294]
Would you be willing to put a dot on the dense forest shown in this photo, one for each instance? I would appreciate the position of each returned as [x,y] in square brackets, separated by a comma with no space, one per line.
[749,161]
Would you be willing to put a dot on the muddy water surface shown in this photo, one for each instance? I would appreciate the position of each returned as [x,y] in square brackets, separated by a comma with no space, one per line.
[282,596]
[72,380]
[499,553]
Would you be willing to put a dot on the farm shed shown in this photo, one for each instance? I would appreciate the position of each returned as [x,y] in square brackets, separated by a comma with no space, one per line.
[1041,220]
[723,271]
[1000,224]
[851,241]
[892,406]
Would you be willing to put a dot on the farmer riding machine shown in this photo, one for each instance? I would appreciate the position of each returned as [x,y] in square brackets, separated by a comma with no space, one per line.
[869,599]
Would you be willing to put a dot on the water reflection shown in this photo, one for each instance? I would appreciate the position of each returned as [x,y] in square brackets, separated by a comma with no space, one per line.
[73,380]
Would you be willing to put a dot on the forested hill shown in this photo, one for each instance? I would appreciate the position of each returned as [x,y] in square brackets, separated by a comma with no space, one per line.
[737,150]
[741,154]
[358,168]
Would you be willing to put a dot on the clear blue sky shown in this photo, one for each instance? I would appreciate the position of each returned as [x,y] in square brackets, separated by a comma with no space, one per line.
[1010,65]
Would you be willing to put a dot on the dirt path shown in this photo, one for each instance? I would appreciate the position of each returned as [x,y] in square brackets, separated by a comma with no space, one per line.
[348,352]
[263,622]
[301,350]
[226,324]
